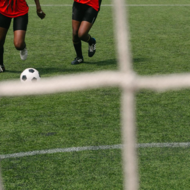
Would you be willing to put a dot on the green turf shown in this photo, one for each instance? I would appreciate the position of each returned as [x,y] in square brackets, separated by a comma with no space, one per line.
[160,45]
[92,170]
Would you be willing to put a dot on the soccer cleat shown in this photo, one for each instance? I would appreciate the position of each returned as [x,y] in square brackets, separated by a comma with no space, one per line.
[77,60]
[23,54]
[92,49]
[2,68]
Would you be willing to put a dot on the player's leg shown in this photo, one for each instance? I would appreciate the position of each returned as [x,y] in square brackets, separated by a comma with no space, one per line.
[77,43]
[19,42]
[89,18]
[83,18]
[3,32]
[77,14]
[4,26]
[20,27]
[84,35]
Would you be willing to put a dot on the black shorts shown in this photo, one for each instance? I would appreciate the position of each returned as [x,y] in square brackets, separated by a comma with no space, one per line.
[19,23]
[82,12]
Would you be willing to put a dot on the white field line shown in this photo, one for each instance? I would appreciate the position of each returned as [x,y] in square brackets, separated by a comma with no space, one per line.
[111,5]
[156,5]
[104,147]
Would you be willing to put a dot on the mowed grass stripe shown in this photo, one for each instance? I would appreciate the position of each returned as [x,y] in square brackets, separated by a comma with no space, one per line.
[104,147]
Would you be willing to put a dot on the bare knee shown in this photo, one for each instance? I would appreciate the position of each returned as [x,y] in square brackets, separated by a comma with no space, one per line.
[78,35]
[83,36]
[19,45]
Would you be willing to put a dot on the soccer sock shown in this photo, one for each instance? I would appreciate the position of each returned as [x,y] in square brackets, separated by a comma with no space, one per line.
[1,55]
[24,46]
[91,40]
[78,48]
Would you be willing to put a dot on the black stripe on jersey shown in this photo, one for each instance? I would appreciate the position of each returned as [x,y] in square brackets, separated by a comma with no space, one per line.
[12,5]
[8,3]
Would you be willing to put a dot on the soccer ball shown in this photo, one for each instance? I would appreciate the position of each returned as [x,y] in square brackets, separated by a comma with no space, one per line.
[29,75]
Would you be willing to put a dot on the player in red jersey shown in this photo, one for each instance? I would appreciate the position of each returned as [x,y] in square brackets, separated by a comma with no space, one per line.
[18,11]
[84,14]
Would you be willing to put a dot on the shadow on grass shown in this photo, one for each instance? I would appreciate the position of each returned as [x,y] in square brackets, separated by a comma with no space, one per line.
[12,71]
[102,63]
[114,61]
[75,68]
[54,70]
[140,60]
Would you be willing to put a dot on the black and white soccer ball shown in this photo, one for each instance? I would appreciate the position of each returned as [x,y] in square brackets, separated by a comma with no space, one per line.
[29,75]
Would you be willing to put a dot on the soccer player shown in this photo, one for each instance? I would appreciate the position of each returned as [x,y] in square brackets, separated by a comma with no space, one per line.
[84,14]
[18,11]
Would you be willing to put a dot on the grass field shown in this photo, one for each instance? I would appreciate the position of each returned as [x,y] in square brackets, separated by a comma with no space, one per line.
[160,44]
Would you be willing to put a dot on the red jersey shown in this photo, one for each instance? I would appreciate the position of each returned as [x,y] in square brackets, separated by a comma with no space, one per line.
[13,8]
[95,4]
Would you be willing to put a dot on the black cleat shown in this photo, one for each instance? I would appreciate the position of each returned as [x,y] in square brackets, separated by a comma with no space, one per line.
[92,49]
[2,68]
[77,60]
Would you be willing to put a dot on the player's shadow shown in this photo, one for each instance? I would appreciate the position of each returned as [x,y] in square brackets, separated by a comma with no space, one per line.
[58,70]
[12,71]
[139,60]
[49,70]
[102,63]
[115,62]
[76,69]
